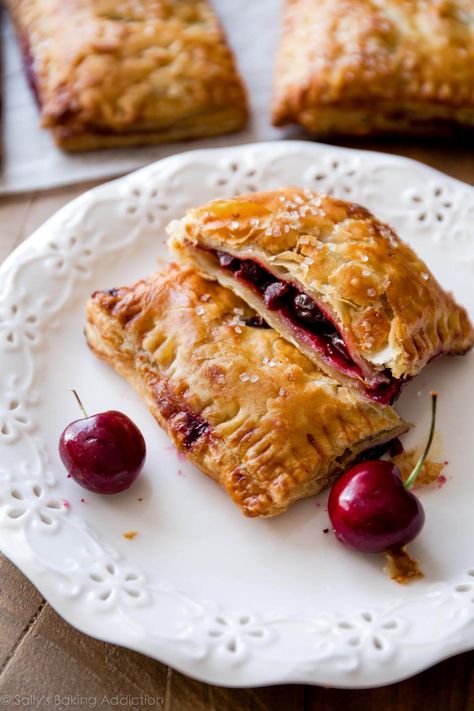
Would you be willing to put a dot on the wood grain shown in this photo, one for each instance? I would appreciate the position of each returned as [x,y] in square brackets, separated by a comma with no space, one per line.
[20,603]
[454,158]
[42,656]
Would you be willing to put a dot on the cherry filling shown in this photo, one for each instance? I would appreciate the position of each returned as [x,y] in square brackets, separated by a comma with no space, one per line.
[192,428]
[394,446]
[188,424]
[306,319]
[256,322]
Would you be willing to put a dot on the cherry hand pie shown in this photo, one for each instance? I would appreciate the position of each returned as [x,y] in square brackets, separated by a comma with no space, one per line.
[365,66]
[333,280]
[123,73]
[246,406]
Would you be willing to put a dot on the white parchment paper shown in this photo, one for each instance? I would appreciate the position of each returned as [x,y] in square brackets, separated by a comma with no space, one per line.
[31,161]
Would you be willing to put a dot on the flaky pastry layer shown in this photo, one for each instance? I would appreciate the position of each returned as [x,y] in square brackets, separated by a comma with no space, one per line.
[120,73]
[243,404]
[388,307]
[369,66]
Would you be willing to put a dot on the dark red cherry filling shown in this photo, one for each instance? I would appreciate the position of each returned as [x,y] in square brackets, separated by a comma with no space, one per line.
[307,320]
[377,451]
[256,322]
[187,424]
[192,428]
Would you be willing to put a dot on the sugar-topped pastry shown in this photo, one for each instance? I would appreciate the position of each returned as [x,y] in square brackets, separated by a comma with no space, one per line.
[330,278]
[123,73]
[365,66]
[245,406]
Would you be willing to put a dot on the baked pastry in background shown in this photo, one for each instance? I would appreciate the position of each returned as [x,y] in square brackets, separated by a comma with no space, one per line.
[245,405]
[360,67]
[332,279]
[123,73]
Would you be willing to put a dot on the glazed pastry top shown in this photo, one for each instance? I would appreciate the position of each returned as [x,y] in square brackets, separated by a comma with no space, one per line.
[384,299]
[245,405]
[359,51]
[115,64]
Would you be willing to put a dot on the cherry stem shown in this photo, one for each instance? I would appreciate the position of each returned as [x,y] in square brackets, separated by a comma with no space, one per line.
[412,478]
[79,402]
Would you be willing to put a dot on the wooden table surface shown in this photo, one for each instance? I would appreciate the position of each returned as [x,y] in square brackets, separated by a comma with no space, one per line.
[45,663]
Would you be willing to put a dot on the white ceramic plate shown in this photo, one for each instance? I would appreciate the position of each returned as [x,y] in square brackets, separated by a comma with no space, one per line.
[226,599]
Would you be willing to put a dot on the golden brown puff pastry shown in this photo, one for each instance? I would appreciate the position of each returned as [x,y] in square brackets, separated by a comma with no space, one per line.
[368,66]
[122,73]
[244,404]
[332,279]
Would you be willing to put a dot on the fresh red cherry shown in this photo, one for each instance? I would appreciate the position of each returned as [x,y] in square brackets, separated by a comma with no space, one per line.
[370,507]
[103,453]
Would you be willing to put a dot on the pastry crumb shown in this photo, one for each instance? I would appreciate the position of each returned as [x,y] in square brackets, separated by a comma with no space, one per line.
[401,567]
[431,472]
[66,503]
[130,535]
